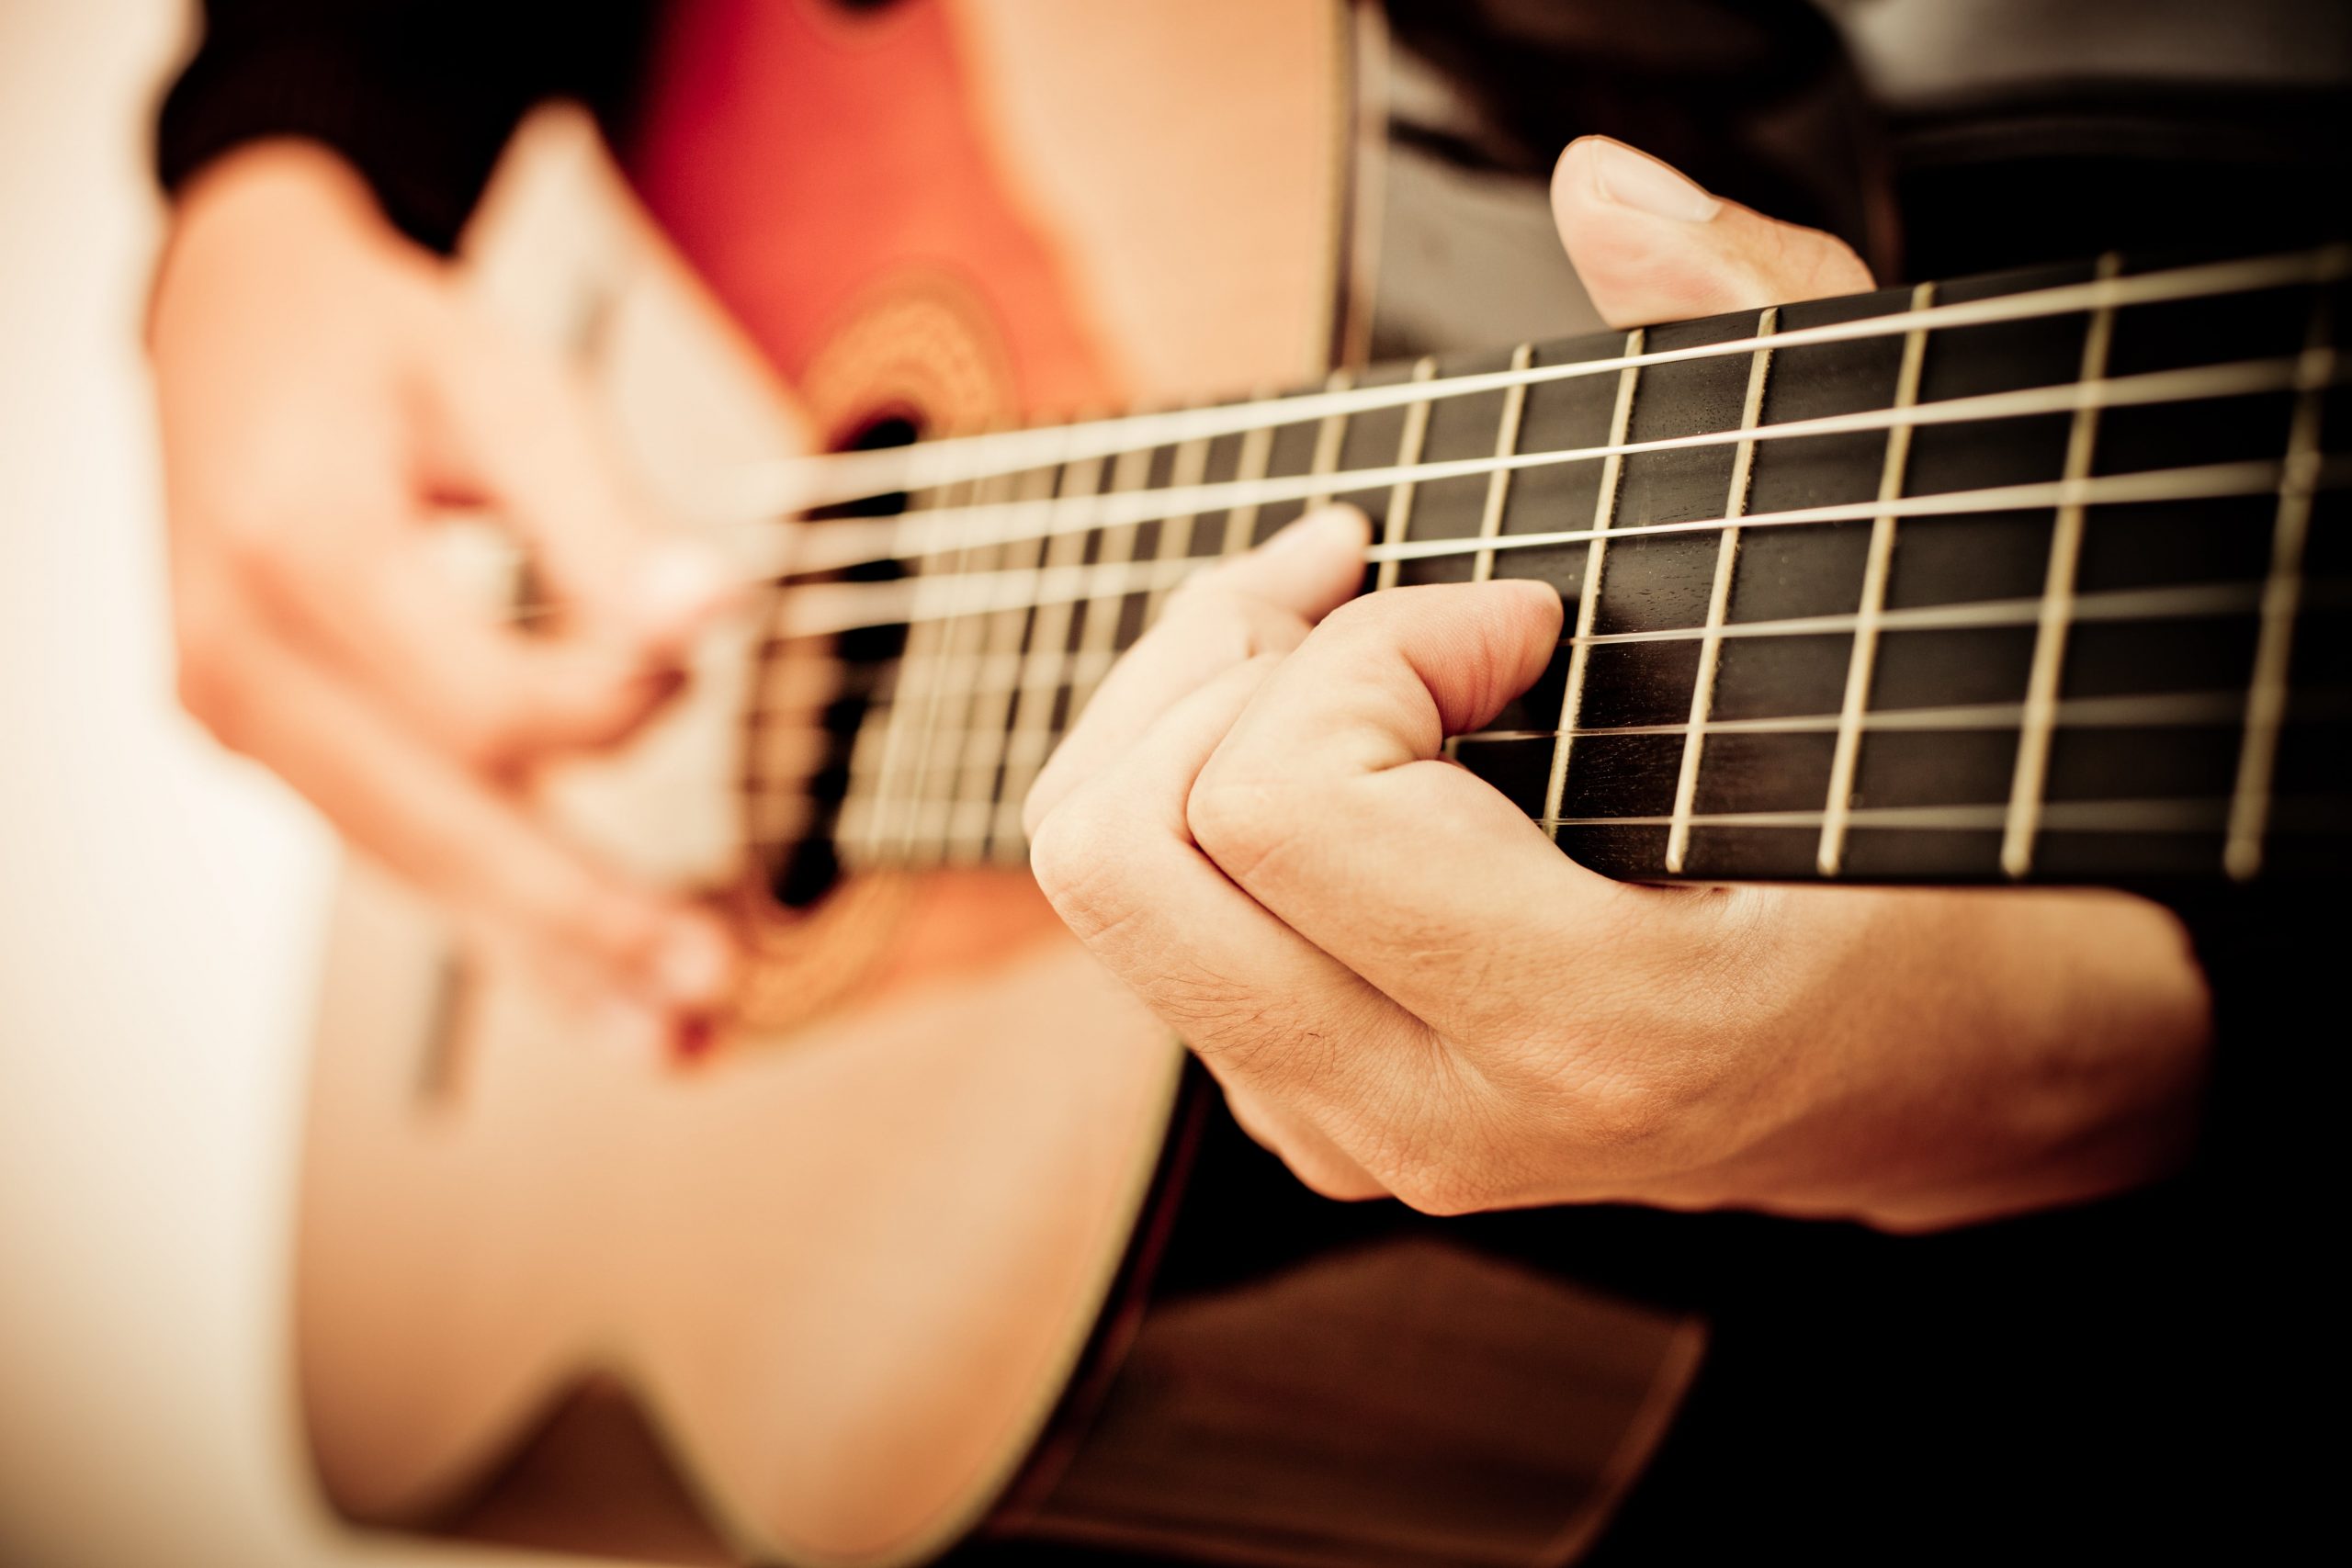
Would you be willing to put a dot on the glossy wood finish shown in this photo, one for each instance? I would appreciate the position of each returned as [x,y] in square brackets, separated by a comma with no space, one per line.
[843,1269]
[2037,583]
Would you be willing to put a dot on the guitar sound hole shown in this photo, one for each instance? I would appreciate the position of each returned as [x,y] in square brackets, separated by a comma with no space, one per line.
[803,872]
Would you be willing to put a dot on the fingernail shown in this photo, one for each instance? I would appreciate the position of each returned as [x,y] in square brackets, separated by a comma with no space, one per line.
[678,581]
[693,966]
[1639,181]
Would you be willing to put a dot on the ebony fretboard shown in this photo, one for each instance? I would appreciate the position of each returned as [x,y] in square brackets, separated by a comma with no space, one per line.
[2094,628]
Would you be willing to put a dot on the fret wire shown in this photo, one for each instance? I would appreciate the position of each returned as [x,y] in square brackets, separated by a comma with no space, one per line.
[1184,470]
[972,809]
[1409,456]
[1024,749]
[2266,690]
[2057,597]
[943,647]
[1490,519]
[1004,675]
[960,844]
[1045,663]
[1605,508]
[955,601]
[1098,639]
[1241,518]
[1877,565]
[866,813]
[769,490]
[1329,438]
[1702,688]
[837,546]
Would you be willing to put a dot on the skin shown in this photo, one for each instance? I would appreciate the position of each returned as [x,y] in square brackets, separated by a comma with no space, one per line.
[1253,827]
[1217,828]
[323,389]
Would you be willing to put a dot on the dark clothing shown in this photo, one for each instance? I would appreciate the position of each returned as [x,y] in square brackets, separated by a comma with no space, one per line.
[418,95]
[2109,1378]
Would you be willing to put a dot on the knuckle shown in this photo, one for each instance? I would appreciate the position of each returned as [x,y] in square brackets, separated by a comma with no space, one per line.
[1238,822]
[1227,626]
[1450,1165]
[1438,1187]
[1622,1115]
[1076,857]
[1329,1177]
[1366,610]
[1033,812]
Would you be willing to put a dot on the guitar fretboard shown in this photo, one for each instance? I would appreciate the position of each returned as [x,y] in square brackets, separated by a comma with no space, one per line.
[2035,577]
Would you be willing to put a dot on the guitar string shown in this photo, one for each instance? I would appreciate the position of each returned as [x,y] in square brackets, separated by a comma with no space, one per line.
[2112,816]
[841,544]
[2198,815]
[769,492]
[819,609]
[2199,819]
[2161,710]
[2169,710]
[2306,374]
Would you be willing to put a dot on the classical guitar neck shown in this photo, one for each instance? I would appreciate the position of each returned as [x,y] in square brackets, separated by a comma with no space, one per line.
[2039,577]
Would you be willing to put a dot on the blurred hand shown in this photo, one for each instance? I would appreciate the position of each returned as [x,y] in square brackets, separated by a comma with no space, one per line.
[1405,989]
[324,389]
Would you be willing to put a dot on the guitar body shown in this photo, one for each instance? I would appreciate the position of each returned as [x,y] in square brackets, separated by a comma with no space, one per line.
[846,1267]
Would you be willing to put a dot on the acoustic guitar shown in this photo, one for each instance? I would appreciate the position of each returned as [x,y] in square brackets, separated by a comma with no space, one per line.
[2036,577]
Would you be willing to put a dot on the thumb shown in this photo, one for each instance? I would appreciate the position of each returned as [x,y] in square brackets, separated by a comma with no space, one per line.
[1652,246]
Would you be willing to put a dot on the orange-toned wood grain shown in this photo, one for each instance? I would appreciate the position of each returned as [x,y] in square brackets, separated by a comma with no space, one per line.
[846,1265]
[806,159]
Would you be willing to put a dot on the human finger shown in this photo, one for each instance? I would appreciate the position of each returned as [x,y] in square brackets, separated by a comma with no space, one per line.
[517,431]
[1275,1019]
[1260,602]
[1651,245]
[364,590]
[433,822]
[1329,804]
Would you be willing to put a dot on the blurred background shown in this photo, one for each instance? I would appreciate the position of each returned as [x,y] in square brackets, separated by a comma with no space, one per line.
[159,903]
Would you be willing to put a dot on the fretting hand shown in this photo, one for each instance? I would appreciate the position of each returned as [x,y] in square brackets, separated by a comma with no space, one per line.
[1405,988]
[322,389]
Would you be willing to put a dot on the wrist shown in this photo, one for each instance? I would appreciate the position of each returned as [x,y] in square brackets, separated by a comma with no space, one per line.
[1919,1059]
[2012,1050]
